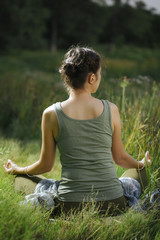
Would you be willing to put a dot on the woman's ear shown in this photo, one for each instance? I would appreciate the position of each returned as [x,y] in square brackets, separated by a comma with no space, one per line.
[91,78]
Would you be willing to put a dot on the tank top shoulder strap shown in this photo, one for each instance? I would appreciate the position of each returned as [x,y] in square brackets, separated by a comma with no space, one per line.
[107,112]
[57,107]
[58,112]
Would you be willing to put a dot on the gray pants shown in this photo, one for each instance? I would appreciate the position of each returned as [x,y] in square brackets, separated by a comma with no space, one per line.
[27,185]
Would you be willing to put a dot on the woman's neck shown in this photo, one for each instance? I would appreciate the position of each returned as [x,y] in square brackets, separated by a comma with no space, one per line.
[79,94]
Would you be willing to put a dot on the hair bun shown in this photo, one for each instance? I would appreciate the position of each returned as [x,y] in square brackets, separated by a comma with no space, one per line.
[69,69]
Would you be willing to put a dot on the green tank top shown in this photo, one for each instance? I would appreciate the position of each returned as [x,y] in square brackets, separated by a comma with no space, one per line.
[88,171]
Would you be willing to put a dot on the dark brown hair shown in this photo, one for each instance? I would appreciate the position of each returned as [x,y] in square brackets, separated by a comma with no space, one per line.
[77,63]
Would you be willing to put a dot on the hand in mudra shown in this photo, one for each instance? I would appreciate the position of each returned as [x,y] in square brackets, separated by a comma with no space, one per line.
[11,167]
[146,160]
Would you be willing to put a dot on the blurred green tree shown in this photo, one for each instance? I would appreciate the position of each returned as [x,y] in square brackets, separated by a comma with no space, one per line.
[127,24]
[34,24]
[73,22]
[22,24]
[155,33]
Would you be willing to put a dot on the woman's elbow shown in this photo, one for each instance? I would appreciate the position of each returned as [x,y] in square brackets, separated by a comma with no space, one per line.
[119,158]
[117,161]
[45,170]
[46,167]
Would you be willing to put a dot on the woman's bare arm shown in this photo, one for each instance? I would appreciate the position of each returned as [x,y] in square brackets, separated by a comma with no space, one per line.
[48,150]
[119,155]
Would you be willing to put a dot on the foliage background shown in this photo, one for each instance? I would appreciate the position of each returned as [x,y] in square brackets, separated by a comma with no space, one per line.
[47,24]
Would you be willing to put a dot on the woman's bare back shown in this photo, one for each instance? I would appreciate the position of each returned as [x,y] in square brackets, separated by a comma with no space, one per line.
[83,109]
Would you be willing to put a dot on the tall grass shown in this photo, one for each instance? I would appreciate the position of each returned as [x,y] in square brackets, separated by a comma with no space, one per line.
[138,101]
[140,132]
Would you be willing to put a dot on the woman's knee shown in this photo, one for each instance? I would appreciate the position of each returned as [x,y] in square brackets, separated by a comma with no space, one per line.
[137,174]
[26,184]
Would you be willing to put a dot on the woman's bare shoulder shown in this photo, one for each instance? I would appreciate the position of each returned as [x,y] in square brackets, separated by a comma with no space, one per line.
[50,119]
[50,113]
[115,116]
[114,108]
[50,109]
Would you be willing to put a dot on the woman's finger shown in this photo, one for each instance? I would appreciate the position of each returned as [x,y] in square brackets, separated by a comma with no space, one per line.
[8,170]
[10,162]
[9,167]
[147,155]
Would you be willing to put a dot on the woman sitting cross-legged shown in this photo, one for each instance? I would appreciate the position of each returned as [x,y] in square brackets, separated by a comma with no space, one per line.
[87,132]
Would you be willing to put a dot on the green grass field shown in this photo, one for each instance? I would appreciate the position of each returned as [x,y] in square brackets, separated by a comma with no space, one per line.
[28,83]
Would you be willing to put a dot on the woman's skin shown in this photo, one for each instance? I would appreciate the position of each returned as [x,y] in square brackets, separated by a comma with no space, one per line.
[80,105]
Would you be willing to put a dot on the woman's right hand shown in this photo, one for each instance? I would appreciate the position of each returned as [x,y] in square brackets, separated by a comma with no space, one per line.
[10,167]
[146,161]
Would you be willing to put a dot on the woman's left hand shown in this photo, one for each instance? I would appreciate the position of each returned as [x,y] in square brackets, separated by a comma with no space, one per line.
[146,160]
[10,168]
